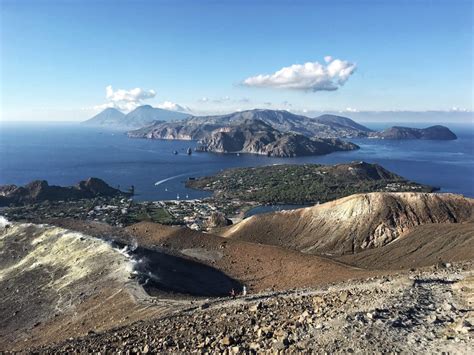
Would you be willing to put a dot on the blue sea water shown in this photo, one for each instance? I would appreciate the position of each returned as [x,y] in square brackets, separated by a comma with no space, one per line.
[64,153]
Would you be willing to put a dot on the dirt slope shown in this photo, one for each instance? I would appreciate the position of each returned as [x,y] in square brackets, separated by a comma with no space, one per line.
[353,224]
[422,313]
[425,245]
[259,267]
[57,283]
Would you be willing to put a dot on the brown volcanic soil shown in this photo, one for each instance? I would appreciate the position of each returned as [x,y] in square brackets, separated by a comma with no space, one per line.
[54,295]
[354,223]
[259,267]
[98,301]
[423,246]
[417,312]
[56,284]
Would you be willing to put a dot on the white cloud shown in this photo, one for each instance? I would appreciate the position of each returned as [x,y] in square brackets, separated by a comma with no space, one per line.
[133,95]
[125,100]
[328,59]
[104,106]
[311,76]
[168,105]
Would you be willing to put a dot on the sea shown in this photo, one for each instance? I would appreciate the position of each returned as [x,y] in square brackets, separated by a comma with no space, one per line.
[65,153]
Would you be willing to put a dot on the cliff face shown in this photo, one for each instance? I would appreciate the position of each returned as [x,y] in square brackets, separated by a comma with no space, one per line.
[257,137]
[430,133]
[354,223]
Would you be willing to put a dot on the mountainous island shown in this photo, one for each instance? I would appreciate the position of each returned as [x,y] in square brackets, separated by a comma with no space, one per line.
[437,132]
[276,133]
[198,127]
[139,117]
[257,137]
[303,184]
[201,128]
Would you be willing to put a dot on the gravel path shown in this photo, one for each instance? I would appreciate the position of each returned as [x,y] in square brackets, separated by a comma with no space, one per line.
[429,311]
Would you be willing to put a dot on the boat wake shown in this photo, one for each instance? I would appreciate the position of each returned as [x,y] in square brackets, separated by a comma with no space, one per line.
[171,178]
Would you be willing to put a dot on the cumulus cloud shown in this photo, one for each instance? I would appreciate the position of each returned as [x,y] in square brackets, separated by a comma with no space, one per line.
[311,76]
[125,100]
[168,105]
[132,95]
[328,59]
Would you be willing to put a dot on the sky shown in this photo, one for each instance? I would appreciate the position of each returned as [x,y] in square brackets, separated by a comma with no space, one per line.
[68,59]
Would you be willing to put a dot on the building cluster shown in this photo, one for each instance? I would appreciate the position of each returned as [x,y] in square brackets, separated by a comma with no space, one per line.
[193,213]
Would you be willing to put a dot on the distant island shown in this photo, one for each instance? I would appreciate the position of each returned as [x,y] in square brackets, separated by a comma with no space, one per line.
[275,133]
[140,117]
[324,126]
[437,132]
[257,137]
[199,127]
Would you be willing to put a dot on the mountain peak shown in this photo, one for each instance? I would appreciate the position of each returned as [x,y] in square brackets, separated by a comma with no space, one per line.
[341,121]
[108,116]
[140,117]
[144,107]
[111,109]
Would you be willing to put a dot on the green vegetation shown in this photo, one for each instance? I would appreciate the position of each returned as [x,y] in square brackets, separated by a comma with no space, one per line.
[302,184]
[150,214]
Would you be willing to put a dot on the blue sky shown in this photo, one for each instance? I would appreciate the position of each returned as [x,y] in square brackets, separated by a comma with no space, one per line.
[58,57]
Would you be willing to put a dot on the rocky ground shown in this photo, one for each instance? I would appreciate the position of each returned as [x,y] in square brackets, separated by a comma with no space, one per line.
[417,311]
